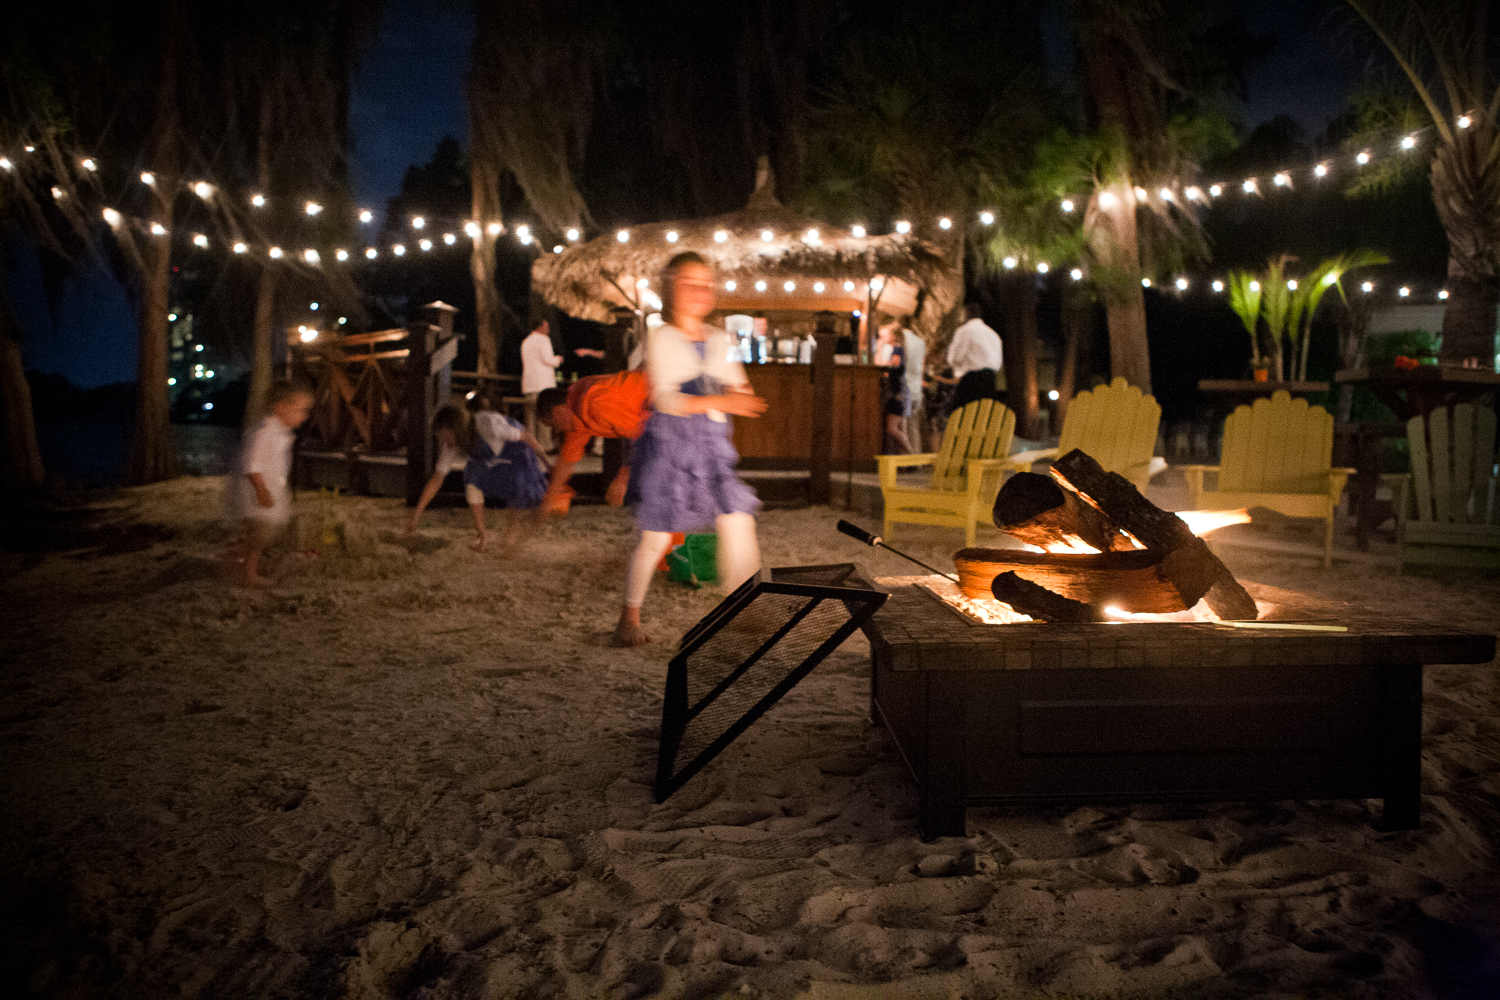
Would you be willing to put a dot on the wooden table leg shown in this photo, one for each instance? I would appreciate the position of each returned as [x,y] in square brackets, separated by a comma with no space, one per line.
[940,805]
[1367,478]
[1401,735]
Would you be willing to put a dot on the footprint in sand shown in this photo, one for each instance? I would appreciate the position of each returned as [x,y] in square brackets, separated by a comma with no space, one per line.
[1135,864]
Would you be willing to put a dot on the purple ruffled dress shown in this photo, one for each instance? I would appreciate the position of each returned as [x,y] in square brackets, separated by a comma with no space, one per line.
[682,468]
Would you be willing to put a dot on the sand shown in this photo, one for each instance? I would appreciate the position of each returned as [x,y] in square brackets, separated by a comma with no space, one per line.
[410,770]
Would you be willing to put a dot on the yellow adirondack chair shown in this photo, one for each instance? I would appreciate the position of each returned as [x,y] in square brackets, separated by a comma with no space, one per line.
[1448,511]
[1116,425]
[966,472]
[1277,454]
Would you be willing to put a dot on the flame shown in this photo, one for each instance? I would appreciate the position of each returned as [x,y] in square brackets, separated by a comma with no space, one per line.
[1070,545]
[1201,522]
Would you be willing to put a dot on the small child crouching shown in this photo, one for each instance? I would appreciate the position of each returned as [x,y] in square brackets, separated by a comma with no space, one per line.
[501,461]
[259,492]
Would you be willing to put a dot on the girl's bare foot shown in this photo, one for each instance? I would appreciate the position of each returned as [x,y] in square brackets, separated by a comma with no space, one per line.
[629,632]
[479,546]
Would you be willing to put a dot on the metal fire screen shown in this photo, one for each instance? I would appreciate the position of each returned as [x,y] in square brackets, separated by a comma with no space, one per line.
[737,662]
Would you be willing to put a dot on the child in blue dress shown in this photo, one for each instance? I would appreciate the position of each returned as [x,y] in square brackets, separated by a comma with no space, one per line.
[683,475]
[500,460]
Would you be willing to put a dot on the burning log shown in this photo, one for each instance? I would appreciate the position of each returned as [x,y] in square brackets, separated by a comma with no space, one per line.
[1042,604]
[1038,511]
[1156,581]
[1155,528]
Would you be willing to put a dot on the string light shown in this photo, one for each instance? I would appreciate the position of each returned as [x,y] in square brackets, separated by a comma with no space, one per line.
[1291,284]
[1218,286]
[495,228]
[523,232]
[1182,284]
[945,223]
[1145,282]
[1106,199]
[1167,195]
[258,200]
[1009,262]
[767,236]
[730,286]
[1464,121]
[720,236]
[858,232]
[1076,274]
[642,283]
[1194,194]
[450,239]
[417,222]
[341,255]
[988,218]
[1321,170]
[818,287]
[200,240]
[525,240]
[204,190]
[790,286]
[30,149]
[1140,194]
[58,193]
[1443,294]
[1255,286]
[310,255]
[1042,268]
[398,250]
[1367,286]
[425,245]
[371,253]
[5,163]
[572,235]
[240,248]
[1248,186]
[1282,180]
[623,236]
[811,236]
[1403,291]
[760,286]
[275,253]
[1363,157]
[472,230]
[903,227]
[1409,142]
[848,286]
[313,306]
[365,215]
[157,229]
[1214,190]
[557,249]
[111,216]
[148,178]
[1067,204]
[89,165]
[671,236]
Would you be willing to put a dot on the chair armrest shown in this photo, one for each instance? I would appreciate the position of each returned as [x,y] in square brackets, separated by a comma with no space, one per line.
[1337,477]
[1200,469]
[978,471]
[1023,460]
[1403,492]
[1194,475]
[888,464]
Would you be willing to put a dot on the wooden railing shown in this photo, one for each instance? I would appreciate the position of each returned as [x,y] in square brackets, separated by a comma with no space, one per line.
[360,390]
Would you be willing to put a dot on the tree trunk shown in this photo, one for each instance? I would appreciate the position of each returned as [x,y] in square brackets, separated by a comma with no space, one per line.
[1018,298]
[262,372]
[21,461]
[1466,192]
[1076,317]
[1111,231]
[153,455]
[485,183]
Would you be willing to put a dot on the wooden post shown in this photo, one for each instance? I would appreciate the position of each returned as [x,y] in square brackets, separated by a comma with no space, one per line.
[616,358]
[429,373]
[820,437]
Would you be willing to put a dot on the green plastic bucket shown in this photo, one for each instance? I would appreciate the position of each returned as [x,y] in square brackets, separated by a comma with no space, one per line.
[695,561]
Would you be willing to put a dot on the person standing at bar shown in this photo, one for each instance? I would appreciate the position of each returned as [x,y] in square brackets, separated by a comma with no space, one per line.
[538,372]
[974,355]
[684,478]
[916,361]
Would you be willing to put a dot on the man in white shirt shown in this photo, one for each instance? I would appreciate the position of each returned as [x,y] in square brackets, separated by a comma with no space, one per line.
[916,358]
[538,372]
[974,355]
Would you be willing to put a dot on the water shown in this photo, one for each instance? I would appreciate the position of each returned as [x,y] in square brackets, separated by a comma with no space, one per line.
[94,454]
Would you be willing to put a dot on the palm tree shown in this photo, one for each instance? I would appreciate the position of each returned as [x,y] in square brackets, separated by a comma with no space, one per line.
[1244,299]
[1445,49]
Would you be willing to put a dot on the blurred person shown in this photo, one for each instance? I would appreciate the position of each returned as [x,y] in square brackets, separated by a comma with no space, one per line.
[916,361]
[501,461]
[602,406]
[259,491]
[975,357]
[895,404]
[684,478]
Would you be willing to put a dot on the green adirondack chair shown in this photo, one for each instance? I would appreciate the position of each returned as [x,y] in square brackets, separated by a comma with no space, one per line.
[1448,512]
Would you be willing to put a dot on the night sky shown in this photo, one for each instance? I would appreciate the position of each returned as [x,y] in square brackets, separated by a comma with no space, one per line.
[409,92]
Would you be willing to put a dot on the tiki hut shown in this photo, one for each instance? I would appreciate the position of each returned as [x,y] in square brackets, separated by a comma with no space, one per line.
[769,259]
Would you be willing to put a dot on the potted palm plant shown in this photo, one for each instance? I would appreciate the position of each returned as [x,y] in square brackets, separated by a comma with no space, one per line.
[1244,299]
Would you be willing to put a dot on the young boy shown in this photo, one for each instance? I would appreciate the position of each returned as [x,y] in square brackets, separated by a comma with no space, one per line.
[261,495]
[606,406]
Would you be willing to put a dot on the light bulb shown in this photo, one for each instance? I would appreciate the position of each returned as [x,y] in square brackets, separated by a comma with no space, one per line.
[1067,203]
[1443,293]
[988,218]
[494,229]
[1214,190]
[720,236]
[1052,394]
[417,222]
[203,189]
[472,230]
[1042,268]
[760,286]
[1009,262]
[790,286]
[1106,199]
[398,250]
[425,244]
[1140,194]
[1464,121]
[1403,291]
[1321,170]
[148,178]
[1145,282]
[767,236]
[1182,284]
[730,286]
[171,381]
[1282,180]
[1255,286]
[1194,194]
[371,253]
[341,255]
[1291,284]
[572,235]
[5,163]
[643,283]
[858,232]
[525,240]
[240,248]
[877,283]
[58,193]
[811,236]
[1218,286]
[365,215]
[818,287]
[557,248]
[157,229]
[199,240]
[274,253]
[1363,157]
[258,200]
[848,286]
[89,165]
[311,256]
[111,216]
[1409,142]
[1367,286]
[1076,274]
[623,236]
[903,227]
[312,208]
[343,320]
[1248,186]
[449,239]
[671,236]
[945,223]
[1166,194]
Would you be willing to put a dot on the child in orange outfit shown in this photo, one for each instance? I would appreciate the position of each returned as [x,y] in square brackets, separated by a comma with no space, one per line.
[606,406]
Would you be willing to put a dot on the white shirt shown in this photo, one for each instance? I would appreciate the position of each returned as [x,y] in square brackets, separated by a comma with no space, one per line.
[916,355]
[538,363]
[496,431]
[974,346]
[672,359]
[268,451]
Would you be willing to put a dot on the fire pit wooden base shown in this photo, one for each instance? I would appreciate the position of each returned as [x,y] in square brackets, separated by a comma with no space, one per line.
[1032,712]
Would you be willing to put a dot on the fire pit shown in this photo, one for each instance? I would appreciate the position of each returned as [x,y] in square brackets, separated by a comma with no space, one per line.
[1043,697]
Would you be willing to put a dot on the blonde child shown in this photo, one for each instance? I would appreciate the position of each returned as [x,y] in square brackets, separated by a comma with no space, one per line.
[260,493]
[500,461]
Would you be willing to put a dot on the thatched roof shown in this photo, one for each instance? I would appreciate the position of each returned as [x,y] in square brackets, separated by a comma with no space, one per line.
[591,280]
